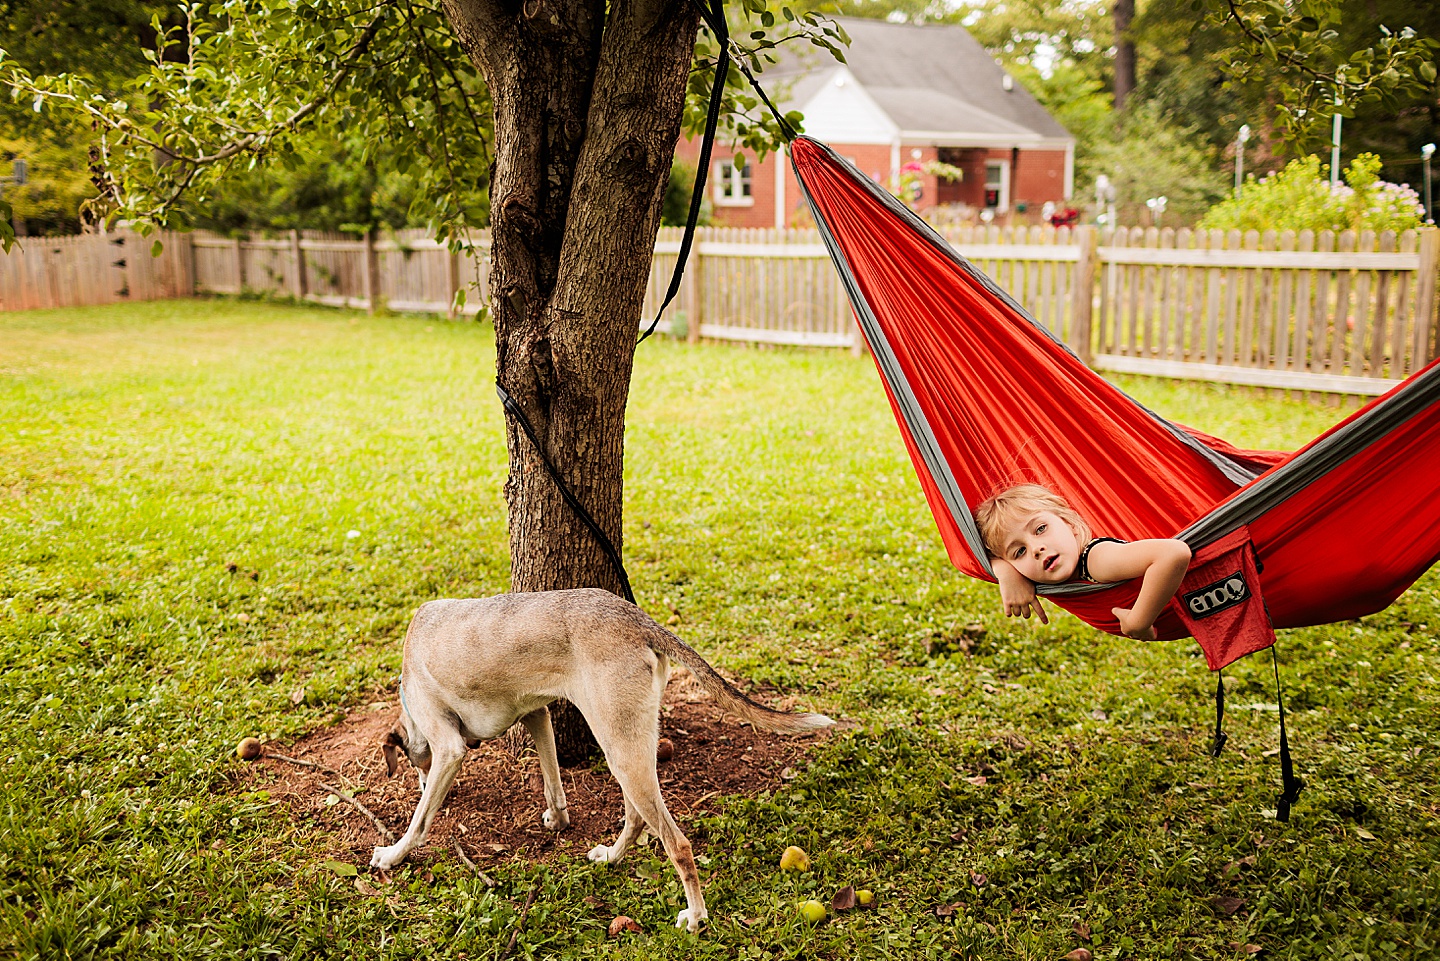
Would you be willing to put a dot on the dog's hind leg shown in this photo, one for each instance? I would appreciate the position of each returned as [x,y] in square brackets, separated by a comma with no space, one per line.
[538,724]
[448,751]
[641,788]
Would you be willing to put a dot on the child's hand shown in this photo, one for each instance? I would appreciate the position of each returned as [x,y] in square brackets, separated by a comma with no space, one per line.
[1130,625]
[1019,599]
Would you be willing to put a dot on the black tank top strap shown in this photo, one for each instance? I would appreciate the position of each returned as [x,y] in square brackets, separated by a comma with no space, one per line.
[1082,568]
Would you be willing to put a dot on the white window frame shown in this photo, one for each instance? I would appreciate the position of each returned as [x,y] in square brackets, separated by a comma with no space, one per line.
[1004,200]
[734,186]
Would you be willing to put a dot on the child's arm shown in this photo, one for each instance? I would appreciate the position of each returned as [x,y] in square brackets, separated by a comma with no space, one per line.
[1162,564]
[1017,593]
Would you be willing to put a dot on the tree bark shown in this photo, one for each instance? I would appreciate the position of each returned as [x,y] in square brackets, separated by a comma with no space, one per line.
[1123,12]
[587,114]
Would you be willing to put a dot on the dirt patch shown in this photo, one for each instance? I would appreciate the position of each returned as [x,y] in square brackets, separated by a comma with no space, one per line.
[494,808]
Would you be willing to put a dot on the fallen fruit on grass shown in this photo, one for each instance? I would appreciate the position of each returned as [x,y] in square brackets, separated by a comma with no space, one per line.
[864,897]
[248,749]
[812,911]
[665,749]
[622,924]
[1079,954]
[794,859]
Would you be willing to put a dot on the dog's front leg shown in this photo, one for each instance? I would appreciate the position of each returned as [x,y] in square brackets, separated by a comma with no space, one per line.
[538,724]
[634,824]
[443,768]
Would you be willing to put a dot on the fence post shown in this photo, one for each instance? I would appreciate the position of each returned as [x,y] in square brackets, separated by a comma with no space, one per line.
[452,281]
[371,273]
[1425,282]
[188,266]
[690,284]
[1082,295]
[297,279]
[239,267]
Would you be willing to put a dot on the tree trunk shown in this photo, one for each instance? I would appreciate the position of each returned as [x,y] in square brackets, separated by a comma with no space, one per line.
[587,114]
[1123,13]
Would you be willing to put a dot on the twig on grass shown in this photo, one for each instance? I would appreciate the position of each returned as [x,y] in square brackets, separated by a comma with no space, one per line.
[385,833]
[515,935]
[311,764]
[487,879]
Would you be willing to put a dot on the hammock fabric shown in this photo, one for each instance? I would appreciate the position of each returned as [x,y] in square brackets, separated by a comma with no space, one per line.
[986,397]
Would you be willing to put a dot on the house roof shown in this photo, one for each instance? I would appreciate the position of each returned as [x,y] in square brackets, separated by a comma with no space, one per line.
[935,81]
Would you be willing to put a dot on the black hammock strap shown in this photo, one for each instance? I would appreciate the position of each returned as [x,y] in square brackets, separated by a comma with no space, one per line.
[1290,785]
[513,409]
[1221,737]
[714,17]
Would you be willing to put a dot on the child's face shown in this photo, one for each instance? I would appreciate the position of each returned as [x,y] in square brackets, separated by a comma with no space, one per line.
[1042,547]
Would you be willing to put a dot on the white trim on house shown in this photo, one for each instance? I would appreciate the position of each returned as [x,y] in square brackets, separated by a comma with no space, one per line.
[782,161]
[1003,206]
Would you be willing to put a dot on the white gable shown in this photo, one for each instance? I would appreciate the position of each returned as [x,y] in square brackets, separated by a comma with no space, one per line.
[842,112]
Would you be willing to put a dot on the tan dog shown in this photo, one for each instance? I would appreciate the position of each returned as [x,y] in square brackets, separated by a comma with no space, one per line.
[474,667]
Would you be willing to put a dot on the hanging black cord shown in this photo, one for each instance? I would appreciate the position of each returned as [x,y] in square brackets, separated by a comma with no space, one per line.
[514,410]
[1290,785]
[716,21]
[1220,736]
[714,18]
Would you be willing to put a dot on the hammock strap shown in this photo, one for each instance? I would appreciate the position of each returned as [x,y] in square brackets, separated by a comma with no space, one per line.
[1221,737]
[513,409]
[1290,785]
[715,19]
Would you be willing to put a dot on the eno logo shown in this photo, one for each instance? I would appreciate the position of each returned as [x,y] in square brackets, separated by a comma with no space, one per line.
[1216,597]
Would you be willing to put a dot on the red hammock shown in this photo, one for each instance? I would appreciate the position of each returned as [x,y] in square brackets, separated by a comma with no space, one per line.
[986,397]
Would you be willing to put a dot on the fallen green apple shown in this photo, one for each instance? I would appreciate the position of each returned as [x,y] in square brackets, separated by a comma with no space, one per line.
[812,911]
[794,859]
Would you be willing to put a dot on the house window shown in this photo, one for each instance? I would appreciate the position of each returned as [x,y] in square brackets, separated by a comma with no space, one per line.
[997,186]
[732,184]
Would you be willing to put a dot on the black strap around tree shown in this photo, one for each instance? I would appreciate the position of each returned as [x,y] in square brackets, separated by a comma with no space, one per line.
[514,410]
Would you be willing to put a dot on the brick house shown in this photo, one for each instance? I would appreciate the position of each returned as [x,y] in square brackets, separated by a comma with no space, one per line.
[908,94]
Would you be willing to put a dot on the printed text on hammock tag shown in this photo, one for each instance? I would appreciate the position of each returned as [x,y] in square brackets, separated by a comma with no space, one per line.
[1216,597]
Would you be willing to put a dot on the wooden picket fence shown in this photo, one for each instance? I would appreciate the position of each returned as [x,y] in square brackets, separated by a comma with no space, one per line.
[1341,313]
[45,272]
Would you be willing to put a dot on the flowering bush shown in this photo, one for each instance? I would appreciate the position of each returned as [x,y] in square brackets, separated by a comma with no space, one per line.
[912,183]
[1299,197]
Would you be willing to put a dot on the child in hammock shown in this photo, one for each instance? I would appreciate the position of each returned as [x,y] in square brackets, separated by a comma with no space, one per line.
[1034,537]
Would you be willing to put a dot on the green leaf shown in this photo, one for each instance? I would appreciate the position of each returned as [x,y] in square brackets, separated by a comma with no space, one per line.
[340,869]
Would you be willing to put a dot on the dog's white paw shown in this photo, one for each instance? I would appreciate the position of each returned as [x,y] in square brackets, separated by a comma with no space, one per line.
[690,919]
[601,854]
[386,858]
[555,820]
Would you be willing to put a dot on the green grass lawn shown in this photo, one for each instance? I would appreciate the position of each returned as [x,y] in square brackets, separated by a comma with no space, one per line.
[355,465]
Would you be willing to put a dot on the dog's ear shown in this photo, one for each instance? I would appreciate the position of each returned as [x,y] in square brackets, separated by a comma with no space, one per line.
[391,747]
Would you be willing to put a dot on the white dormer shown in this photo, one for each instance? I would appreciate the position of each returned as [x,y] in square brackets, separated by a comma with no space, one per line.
[840,111]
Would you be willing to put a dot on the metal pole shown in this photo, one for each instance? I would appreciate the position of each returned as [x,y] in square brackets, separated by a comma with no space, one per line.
[1335,153]
[1426,152]
[1240,157]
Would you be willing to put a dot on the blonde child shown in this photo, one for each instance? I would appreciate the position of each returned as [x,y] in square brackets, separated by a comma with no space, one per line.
[1034,537]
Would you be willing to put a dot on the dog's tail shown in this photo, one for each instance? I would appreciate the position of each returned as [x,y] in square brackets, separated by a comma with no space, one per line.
[783,722]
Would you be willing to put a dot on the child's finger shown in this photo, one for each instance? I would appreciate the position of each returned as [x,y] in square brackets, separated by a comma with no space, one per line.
[1040,612]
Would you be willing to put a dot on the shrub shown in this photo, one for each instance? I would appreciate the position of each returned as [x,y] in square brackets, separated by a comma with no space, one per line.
[1299,197]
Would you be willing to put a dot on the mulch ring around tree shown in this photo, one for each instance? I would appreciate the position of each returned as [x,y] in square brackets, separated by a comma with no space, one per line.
[494,807]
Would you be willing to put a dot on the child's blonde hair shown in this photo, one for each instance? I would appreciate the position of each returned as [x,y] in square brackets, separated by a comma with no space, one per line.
[995,515]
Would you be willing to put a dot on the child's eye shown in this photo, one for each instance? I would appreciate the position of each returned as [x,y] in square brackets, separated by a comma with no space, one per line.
[1041,528]
[1018,552]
